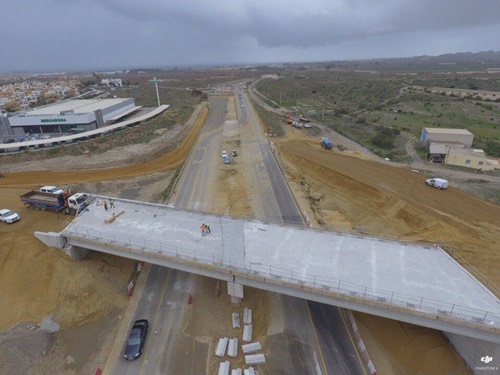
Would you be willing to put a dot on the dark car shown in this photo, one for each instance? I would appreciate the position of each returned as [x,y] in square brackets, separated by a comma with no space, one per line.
[10,140]
[136,338]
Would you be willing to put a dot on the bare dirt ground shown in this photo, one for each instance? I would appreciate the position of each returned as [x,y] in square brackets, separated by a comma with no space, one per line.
[344,191]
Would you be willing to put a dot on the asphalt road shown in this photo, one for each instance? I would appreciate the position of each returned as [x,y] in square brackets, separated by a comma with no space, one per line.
[162,302]
[337,352]
[306,330]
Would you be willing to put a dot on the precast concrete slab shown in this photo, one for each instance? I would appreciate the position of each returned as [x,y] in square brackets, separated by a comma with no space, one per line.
[412,277]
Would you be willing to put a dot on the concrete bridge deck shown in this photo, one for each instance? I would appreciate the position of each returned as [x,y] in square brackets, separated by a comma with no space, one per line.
[408,282]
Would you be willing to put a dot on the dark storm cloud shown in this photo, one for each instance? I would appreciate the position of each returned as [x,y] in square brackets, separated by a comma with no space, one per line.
[65,34]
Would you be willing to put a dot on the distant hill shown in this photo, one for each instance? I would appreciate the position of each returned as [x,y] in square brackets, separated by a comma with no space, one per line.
[469,57]
[450,62]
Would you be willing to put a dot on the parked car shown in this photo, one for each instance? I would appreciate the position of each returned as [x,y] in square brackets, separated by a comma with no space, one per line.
[234,153]
[51,190]
[437,183]
[224,154]
[8,216]
[9,140]
[136,339]
[227,160]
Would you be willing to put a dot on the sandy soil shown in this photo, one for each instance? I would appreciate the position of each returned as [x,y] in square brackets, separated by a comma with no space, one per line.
[334,189]
[347,192]
[85,298]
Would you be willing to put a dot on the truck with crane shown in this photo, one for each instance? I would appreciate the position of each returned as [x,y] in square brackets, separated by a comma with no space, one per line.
[65,202]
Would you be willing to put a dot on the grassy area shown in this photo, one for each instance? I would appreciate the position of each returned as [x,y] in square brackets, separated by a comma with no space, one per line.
[273,122]
[166,193]
[361,105]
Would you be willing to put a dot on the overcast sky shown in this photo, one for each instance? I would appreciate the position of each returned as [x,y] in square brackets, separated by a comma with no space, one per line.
[75,35]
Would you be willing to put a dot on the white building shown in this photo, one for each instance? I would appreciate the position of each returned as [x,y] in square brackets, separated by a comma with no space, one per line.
[462,136]
[71,115]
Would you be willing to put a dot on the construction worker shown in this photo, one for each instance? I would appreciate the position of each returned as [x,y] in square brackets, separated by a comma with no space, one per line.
[111,203]
[203,230]
[105,205]
[208,228]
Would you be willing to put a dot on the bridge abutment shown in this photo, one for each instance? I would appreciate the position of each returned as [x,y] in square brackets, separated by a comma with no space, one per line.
[58,241]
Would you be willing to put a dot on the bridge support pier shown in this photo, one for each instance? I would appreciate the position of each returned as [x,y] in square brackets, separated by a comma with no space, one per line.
[75,252]
[235,290]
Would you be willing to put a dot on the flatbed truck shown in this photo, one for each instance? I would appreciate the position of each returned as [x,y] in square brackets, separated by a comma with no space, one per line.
[58,203]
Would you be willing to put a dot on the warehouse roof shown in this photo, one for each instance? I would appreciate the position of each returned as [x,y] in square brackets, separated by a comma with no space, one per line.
[448,131]
[76,106]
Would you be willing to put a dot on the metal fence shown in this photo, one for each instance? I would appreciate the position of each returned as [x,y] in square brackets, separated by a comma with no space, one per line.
[276,274]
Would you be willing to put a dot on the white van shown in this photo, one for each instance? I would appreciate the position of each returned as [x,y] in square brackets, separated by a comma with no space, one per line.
[437,183]
[51,190]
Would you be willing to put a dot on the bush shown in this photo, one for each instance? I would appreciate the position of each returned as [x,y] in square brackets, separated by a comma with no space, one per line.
[383,141]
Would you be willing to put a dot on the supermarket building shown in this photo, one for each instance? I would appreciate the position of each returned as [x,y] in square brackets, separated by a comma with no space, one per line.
[69,116]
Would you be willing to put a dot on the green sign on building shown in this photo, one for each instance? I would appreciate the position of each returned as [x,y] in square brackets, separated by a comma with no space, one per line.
[53,120]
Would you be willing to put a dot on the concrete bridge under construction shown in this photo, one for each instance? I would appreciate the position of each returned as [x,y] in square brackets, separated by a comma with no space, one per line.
[408,282]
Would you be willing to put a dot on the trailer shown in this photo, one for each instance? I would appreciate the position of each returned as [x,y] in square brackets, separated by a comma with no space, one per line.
[58,203]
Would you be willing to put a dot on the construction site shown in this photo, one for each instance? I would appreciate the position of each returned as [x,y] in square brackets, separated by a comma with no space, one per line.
[345,189]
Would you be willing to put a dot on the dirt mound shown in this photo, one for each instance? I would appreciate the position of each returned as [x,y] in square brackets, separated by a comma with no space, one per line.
[379,199]
[165,162]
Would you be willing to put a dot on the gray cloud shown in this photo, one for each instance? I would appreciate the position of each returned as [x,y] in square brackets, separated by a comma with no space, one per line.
[71,34]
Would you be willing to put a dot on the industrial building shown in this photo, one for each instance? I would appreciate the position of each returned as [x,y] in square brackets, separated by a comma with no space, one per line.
[459,155]
[68,117]
[462,136]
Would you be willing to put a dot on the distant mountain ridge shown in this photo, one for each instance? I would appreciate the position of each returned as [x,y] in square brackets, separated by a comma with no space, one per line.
[467,57]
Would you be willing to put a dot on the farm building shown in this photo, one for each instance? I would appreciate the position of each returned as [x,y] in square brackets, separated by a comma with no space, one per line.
[468,157]
[462,136]
[459,155]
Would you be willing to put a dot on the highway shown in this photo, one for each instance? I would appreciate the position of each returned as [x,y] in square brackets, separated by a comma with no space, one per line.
[298,331]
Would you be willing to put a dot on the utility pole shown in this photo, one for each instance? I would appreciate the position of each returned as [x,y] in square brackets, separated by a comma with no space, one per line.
[155,81]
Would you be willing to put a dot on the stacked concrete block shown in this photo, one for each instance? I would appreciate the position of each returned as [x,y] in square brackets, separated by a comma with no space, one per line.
[249,371]
[221,347]
[247,316]
[236,371]
[232,349]
[247,333]
[224,368]
[250,348]
[255,359]
[236,320]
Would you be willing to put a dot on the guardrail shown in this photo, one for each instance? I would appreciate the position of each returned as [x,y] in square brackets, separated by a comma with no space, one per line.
[483,279]
[144,246]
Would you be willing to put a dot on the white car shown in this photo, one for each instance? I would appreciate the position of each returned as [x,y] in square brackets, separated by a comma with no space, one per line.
[8,216]
[224,154]
[51,190]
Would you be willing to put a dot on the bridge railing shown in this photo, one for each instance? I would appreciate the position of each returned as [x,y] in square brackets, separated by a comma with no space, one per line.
[148,247]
